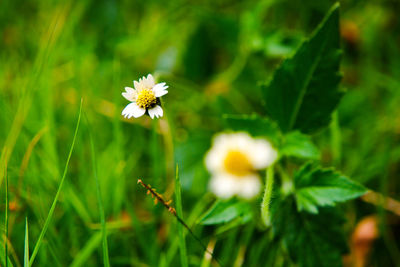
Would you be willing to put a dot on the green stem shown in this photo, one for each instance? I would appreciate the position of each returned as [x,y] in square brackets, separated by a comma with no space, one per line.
[182,241]
[166,133]
[269,184]
[336,139]
[155,153]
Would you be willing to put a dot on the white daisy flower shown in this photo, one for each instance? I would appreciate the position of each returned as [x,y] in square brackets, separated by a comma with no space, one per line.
[144,97]
[234,160]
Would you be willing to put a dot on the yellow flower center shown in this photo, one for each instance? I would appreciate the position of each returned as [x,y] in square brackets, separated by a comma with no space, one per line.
[146,98]
[237,163]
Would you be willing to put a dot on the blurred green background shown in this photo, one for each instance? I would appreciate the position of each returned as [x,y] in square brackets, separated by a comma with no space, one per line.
[213,55]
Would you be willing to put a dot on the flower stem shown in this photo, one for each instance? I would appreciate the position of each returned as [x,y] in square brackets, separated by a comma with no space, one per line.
[265,205]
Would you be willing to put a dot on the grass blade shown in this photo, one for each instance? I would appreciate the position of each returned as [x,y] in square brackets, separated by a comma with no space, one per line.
[182,241]
[6,219]
[87,250]
[106,258]
[26,249]
[2,253]
[53,206]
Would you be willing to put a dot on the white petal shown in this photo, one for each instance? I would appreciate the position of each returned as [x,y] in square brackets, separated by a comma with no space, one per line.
[147,82]
[250,186]
[222,186]
[262,154]
[156,112]
[130,94]
[160,89]
[133,110]
[215,156]
[150,81]
[138,85]
[129,89]
[241,141]
[214,159]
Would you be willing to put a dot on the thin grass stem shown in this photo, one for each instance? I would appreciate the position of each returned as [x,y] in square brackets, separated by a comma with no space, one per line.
[182,240]
[26,247]
[106,258]
[53,206]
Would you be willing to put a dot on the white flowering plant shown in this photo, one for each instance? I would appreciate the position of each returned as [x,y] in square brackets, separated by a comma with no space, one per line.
[144,98]
[209,133]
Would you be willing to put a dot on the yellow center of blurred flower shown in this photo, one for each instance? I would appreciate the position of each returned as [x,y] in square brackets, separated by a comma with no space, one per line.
[146,99]
[237,163]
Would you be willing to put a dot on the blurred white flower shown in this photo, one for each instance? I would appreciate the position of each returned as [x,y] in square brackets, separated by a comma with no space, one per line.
[233,161]
[145,97]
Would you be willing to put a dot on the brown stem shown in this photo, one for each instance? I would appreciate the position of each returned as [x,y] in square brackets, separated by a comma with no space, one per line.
[167,205]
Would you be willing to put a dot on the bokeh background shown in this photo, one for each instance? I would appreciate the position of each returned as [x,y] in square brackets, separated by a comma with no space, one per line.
[213,55]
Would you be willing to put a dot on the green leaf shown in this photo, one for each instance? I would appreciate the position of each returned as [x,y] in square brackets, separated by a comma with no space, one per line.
[299,145]
[304,89]
[226,211]
[255,125]
[90,247]
[323,187]
[311,240]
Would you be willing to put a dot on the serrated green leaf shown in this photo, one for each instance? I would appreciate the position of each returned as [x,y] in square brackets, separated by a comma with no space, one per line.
[312,240]
[299,145]
[255,125]
[303,91]
[316,187]
[226,211]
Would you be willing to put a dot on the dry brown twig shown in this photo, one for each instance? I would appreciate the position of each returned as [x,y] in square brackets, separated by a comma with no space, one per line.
[167,204]
[378,199]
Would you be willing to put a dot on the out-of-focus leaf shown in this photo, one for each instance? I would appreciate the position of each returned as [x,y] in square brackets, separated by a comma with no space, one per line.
[189,153]
[278,44]
[199,57]
[323,187]
[210,47]
[245,218]
[303,91]
[226,211]
[255,125]
[312,240]
[299,145]
[167,60]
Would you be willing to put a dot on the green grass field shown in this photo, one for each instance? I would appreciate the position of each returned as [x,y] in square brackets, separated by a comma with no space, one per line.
[70,161]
